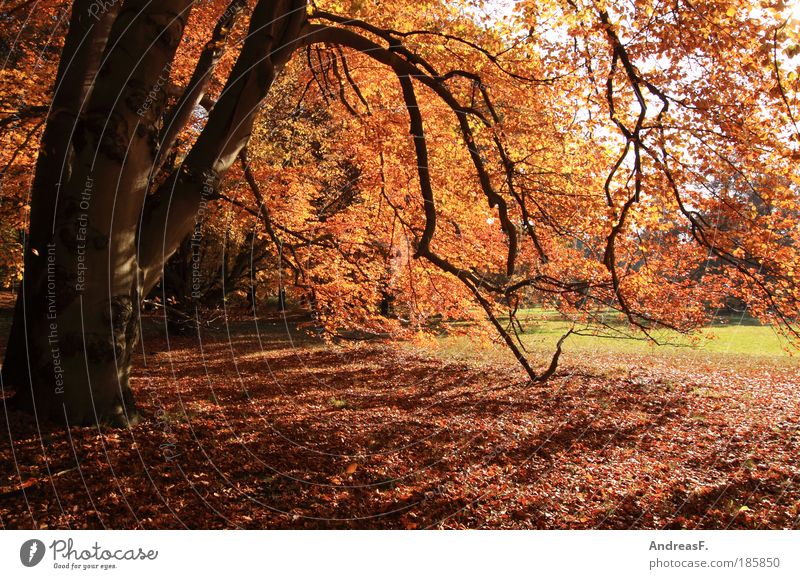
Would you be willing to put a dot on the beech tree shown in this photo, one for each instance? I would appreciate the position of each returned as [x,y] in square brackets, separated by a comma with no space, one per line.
[568,153]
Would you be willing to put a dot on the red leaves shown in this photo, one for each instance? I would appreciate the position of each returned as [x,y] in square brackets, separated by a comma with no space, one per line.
[669,442]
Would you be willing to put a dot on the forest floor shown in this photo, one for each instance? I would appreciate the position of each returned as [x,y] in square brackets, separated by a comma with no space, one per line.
[271,429]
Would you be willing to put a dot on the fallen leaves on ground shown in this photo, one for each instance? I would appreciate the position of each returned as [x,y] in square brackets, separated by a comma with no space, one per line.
[288,434]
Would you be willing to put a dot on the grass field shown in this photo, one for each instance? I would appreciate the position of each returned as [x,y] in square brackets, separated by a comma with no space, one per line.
[731,341]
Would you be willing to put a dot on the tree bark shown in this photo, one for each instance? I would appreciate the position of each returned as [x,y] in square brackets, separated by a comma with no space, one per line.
[170,214]
[78,67]
[82,269]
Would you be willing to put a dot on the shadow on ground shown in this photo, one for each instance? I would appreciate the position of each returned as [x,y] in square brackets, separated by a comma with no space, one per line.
[279,430]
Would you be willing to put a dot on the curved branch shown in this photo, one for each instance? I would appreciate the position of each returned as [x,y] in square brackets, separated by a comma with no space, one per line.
[389,34]
[403,67]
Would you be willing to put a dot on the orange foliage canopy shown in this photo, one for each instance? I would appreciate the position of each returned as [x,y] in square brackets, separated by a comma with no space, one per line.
[467,158]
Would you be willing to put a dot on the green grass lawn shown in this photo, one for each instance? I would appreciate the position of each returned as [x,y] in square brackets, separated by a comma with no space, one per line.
[735,342]
[728,339]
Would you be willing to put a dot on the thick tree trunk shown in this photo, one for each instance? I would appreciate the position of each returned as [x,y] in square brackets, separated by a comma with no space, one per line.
[97,241]
[80,59]
[83,48]
[81,279]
